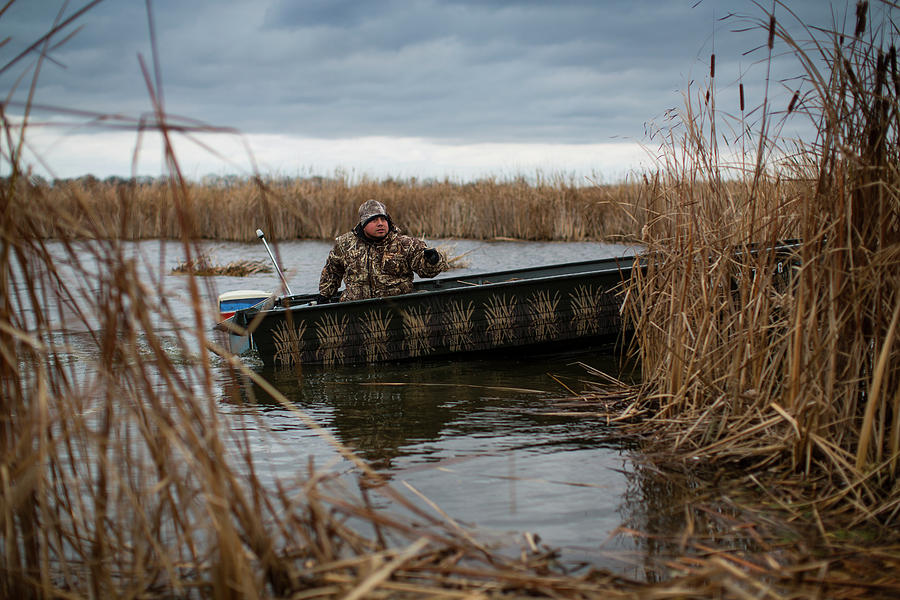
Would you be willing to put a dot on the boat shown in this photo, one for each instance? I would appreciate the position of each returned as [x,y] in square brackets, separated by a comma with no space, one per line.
[233,301]
[544,308]
[535,309]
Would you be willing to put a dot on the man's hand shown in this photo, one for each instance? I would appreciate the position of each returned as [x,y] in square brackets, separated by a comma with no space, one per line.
[320,299]
[432,257]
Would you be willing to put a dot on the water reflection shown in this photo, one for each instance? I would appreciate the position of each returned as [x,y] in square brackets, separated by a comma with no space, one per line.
[669,515]
[403,410]
[482,439]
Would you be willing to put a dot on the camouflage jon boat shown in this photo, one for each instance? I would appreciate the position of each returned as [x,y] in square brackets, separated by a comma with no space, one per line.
[540,308]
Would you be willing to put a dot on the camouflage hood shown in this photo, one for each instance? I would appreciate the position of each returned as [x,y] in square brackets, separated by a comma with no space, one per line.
[370,209]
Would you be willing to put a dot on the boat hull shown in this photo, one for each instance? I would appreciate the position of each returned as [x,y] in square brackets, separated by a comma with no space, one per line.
[525,310]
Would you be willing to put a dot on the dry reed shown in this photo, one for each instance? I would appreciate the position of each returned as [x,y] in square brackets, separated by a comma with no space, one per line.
[550,208]
[205,265]
[756,361]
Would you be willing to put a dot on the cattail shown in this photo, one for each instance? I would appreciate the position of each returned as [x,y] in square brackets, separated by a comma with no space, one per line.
[861,10]
[849,69]
[741,89]
[712,66]
[771,31]
[892,57]
[793,102]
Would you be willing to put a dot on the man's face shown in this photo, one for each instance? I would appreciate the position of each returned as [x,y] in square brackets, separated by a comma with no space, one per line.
[377,228]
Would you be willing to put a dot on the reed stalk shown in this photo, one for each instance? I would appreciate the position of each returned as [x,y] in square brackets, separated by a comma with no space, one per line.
[752,358]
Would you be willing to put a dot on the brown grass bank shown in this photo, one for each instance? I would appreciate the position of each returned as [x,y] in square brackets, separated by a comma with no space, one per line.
[789,372]
[549,208]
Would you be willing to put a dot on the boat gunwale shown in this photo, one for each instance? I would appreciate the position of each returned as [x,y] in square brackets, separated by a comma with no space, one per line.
[430,293]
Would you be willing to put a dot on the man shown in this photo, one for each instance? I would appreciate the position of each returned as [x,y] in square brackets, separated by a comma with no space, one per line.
[375,259]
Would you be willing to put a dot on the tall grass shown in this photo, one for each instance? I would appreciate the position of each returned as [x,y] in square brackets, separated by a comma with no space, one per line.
[548,208]
[803,378]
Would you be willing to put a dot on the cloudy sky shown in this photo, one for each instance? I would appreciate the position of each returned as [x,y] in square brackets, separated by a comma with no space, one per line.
[399,88]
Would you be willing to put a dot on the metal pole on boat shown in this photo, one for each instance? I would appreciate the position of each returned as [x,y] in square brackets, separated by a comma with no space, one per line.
[262,236]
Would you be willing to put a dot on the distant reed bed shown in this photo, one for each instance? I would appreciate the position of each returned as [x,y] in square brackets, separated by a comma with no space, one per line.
[548,208]
[784,368]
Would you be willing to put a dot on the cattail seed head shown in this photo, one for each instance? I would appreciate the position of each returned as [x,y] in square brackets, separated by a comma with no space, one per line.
[771,31]
[793,102]
[895,77]
[712,66]
[741,89]
[862,8]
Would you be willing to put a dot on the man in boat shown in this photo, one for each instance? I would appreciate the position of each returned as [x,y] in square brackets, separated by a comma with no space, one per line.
[376,259]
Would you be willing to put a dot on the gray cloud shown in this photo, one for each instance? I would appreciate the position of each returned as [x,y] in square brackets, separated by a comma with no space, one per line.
[449,70]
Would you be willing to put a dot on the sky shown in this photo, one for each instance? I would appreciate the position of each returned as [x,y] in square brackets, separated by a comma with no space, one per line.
[459,89]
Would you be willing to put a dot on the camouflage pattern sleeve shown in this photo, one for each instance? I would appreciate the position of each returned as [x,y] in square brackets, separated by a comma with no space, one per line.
[416,254]
[332,272]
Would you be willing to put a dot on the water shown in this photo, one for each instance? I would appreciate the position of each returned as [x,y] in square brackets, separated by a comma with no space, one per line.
[472,436]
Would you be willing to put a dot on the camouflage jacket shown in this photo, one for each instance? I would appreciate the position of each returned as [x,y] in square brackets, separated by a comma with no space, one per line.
[375,269]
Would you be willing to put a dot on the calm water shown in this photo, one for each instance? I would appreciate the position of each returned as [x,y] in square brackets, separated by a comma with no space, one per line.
[469,435]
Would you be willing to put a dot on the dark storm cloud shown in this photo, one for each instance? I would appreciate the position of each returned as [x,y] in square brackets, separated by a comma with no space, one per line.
[454,70]
[507,71]
[332,13]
